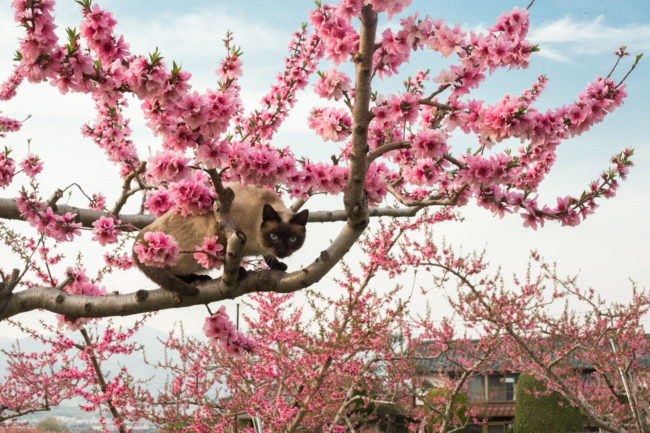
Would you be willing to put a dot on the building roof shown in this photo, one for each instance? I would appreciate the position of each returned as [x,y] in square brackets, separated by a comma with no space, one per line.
[492,410]
[448,362]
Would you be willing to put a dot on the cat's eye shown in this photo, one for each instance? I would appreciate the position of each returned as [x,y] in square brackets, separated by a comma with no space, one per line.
[293,239]
[273,237]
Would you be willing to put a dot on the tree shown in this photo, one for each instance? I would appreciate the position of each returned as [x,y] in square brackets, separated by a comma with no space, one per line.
[536,410]
[397,143]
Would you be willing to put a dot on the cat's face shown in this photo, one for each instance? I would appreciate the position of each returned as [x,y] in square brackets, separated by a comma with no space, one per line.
[282,237]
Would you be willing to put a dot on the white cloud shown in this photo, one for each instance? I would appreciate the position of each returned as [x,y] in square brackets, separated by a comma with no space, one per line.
[564,37]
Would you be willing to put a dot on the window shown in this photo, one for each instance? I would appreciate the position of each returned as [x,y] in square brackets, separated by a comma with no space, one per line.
[501,387]
[476,389]
[496,428]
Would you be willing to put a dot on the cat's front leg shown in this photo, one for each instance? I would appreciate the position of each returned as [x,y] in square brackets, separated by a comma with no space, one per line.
[274,263]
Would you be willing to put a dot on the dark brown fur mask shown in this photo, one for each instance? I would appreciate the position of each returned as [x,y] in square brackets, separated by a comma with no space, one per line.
[282,237]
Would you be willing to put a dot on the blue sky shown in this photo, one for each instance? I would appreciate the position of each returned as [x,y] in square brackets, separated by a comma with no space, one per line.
[576,38]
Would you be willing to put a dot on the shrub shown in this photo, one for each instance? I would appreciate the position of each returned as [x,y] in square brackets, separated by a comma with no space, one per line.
[549,413]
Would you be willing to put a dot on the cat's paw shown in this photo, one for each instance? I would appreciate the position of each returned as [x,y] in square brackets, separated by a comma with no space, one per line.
[191,278]
[279,266]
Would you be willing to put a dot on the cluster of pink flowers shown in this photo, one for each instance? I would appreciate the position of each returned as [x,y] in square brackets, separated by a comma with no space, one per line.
[424,172]
[220,330]
[333,84]
[8,125]
[7,168]
[338,36]
[230,68]
[158,202]
[123,262]
[8,88]
[391,7]
[319,176]
[168,166]
[37,48]
[430,143]
[214,154]
[59,227]
[192,196]
[395,110]
[97,201]
[111,131]
[97,29]
[105,230]
[211,255]
[333,124]
[394,50]
[80,285]
[261,164]
[157,249]
[32,165]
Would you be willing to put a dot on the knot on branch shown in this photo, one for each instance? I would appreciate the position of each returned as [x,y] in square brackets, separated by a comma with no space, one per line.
[9,283]
[141,295]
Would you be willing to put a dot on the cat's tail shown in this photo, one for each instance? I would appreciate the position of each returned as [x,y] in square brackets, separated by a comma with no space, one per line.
[166,278]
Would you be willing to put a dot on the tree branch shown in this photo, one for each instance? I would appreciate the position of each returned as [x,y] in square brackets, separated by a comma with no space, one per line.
[381,150]
[9,210]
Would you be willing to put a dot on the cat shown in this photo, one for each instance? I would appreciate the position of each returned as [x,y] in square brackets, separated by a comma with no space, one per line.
[272,231]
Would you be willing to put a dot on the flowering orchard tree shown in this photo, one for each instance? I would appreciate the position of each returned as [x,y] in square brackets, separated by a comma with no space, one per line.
[395,158]
[592,352]
[83,367]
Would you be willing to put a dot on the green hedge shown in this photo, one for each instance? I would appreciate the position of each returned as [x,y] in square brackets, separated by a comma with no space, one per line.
[458,409]
[545,414]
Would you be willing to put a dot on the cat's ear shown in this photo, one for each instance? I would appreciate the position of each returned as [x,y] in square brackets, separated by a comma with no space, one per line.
[300,218]
[269,214]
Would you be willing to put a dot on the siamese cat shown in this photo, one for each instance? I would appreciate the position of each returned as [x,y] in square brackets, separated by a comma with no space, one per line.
[272,230]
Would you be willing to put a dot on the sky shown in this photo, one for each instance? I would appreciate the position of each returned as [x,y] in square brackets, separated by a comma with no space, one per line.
[577,39]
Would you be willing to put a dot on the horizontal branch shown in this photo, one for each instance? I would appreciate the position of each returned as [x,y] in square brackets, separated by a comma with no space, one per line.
[142,301]
[9,210]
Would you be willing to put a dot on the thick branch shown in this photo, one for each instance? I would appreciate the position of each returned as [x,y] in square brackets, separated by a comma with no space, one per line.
[23,412]
[9,210]
[227,227]
[356,204]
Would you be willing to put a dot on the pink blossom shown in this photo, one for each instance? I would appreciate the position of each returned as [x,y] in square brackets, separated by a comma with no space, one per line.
[332,84]
[8,125]
[230,68]
[169,166]
[32,165]
[158,202]
[192,196]
[98,202]
[7,168]
[213,154]
[121,262]
[220,330]
[59,227]
[80,285]
[430,144]
[105,231]
[157,249]
[212,255]
[331,123]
